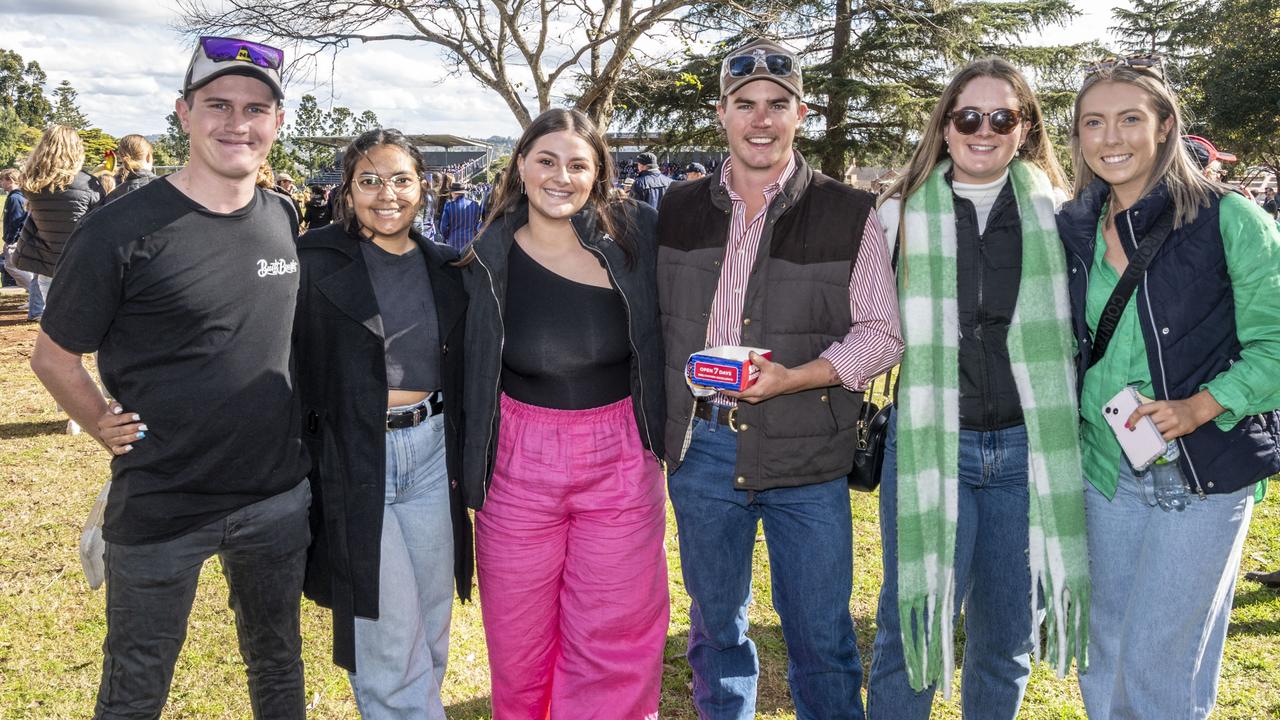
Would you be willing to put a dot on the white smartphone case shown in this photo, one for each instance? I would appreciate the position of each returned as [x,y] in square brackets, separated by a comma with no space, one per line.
[1144,443]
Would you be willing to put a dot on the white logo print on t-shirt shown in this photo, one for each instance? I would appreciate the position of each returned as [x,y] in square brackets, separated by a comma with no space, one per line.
[277,267]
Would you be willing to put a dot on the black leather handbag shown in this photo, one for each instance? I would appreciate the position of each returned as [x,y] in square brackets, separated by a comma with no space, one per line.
[873,426]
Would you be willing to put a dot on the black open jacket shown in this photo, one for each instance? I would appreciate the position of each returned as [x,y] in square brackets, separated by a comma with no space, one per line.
[340,361]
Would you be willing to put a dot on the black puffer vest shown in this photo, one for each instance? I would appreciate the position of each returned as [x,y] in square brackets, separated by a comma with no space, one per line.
[53,217]
[797,305]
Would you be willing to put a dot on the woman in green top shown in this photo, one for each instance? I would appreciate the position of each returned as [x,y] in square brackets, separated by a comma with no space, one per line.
[1200,336]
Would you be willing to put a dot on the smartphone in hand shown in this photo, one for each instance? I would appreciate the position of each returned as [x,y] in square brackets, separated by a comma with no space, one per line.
[1143,444]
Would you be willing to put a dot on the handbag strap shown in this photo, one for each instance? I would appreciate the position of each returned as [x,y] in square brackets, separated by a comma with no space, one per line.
[1129,282]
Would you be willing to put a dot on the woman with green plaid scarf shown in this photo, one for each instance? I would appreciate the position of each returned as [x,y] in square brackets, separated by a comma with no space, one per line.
[981,499]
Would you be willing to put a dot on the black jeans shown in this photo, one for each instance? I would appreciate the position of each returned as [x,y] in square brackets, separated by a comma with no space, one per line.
[150,589]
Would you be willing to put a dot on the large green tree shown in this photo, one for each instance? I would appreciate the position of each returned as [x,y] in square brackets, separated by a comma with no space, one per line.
[66,109]
[1152,26]
[174,145]
[1236,101]
[872,68]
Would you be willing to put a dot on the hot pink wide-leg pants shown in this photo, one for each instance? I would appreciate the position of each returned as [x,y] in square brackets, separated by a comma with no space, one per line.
[572,567]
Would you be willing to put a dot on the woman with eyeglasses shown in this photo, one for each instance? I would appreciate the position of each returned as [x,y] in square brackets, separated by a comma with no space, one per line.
[564,411]
[1195,329]
[980,503]
[378,340]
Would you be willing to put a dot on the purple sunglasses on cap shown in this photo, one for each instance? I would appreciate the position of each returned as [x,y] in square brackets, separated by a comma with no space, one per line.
[222,49]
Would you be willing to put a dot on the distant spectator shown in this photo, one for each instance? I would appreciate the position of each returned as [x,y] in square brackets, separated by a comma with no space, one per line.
[442,198]
[15,214]
[285,186]
[1269,203]
[59,193]
[317,212]
[650,184]
[695,171]
[134,160]
[460,219]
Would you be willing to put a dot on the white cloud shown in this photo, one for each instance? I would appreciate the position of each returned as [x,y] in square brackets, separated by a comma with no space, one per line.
[126,59]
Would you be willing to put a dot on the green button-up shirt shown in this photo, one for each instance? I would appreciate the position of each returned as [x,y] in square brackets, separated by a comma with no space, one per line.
[1251,241]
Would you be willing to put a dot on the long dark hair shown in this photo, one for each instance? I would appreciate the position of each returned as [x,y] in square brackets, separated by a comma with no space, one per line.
[508,193]
[343,211]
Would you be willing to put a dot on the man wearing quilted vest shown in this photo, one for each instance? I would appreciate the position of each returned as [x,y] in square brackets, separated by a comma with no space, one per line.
[768,253]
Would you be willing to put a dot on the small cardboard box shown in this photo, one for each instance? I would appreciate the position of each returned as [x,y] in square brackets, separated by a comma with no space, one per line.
[724,367]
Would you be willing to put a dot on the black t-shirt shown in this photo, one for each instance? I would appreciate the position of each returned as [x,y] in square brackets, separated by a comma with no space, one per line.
[191,313]
[410,328]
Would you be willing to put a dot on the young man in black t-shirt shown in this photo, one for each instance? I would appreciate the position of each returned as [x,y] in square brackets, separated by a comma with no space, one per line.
[186,290]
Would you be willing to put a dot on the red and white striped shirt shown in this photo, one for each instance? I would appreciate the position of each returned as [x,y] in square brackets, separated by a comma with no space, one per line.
[874,341]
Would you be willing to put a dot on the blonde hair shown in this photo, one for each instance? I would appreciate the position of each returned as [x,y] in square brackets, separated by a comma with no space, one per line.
[931,149]
[54,161]
[133,154]
[105,178]
[266,178]
[13,175]
[1188,188]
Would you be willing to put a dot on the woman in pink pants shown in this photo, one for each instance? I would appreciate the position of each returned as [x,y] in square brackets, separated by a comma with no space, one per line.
[563,430]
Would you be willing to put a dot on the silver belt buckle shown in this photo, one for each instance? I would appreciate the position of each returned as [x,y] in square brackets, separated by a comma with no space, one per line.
[417,416]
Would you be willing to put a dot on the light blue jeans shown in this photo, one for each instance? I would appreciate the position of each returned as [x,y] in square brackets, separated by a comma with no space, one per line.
[401,656]
[1162,591]
[992,576]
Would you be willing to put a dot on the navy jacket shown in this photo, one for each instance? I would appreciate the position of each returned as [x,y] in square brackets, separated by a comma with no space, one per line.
[486,283]
[15,215]
[338,354]
[649,187]
[1187,314]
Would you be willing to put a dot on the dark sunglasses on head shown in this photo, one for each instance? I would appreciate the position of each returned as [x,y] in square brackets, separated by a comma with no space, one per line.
[220,49]
[969,121]
[1147,61]
[776,63]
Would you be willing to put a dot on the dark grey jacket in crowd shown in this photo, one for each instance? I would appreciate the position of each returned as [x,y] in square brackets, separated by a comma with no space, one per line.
[486,283]
[134,181]
[339,354]
[53,216]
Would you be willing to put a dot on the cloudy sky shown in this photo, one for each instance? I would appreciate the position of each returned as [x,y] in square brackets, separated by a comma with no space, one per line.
[126,59]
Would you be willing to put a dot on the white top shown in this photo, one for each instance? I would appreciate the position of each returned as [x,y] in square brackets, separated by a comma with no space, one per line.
[983,196]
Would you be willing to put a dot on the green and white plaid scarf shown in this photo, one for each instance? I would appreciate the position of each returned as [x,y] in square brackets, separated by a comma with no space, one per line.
[1040,350]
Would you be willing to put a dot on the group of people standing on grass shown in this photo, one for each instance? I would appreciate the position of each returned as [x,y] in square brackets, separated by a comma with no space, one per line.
[323,412]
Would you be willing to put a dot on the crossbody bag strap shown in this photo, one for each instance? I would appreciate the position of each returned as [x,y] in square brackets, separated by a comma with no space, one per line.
[1138,264]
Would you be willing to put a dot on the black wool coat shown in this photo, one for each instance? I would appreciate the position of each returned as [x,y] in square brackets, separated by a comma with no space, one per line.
[339,356]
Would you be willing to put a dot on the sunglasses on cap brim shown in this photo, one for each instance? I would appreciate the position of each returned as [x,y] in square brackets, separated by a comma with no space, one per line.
[778,64]
[220,49]
[969,121]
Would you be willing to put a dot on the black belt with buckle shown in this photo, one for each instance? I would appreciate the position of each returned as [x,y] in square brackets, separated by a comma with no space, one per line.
[719,414]
[414,416]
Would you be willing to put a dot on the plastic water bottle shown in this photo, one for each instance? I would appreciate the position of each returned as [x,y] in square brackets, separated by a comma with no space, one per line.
[1167,482]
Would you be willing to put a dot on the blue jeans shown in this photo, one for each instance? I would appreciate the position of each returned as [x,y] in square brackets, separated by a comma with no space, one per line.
[809,536]
[401,656]
[37,293]
[993,583]
[150,589]
[1162,591]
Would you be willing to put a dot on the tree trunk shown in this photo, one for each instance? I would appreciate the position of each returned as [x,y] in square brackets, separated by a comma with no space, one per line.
[834,157]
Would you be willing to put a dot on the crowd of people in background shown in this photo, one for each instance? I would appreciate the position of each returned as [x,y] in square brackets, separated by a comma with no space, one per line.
[383,359]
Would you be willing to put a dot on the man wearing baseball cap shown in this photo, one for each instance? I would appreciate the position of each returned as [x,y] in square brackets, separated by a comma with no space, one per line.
[695,171]
[769,253]
[650,184]
[185,288]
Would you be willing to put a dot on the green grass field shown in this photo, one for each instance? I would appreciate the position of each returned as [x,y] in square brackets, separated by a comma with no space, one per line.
[51,623]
